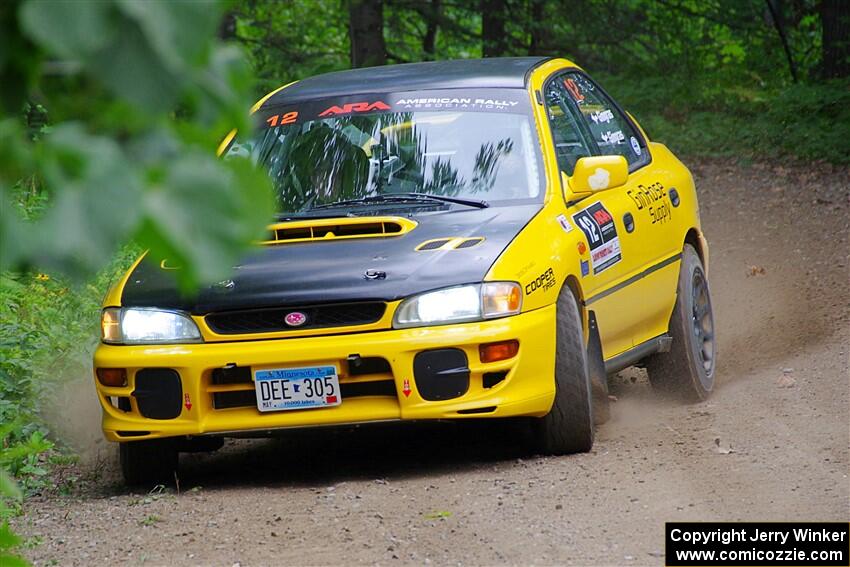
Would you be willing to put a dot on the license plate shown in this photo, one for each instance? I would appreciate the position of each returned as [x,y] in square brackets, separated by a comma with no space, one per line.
[297,388]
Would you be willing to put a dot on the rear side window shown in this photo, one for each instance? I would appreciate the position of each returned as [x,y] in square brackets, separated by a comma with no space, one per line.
[609,128]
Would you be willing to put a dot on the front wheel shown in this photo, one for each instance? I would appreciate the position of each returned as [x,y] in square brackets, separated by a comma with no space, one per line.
[687,371]
[568,427]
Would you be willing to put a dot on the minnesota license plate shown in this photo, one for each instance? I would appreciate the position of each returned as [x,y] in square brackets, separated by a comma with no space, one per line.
[297,388]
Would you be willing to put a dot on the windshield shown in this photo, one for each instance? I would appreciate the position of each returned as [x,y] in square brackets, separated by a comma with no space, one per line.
[380,148]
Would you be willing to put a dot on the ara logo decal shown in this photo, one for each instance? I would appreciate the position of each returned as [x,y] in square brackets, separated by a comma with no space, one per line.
[355,107]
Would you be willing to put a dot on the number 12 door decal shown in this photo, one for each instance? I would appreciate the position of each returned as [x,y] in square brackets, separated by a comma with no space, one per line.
[598,227]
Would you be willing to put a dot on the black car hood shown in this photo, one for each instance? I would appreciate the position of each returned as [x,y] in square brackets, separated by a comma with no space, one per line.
[331,271]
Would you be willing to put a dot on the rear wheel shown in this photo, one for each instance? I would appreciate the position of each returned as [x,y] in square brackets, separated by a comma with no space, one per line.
[568,427]
[148,463]
[687,371]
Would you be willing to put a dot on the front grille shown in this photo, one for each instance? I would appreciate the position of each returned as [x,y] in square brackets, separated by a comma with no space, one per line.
[348,390]
[273,319]
[233,386]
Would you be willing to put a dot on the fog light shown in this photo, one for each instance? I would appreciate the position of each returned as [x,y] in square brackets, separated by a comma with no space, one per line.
[503,350]
[113,377]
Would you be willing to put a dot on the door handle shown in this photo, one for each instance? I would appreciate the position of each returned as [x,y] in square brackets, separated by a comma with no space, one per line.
[629,222]
[674,197]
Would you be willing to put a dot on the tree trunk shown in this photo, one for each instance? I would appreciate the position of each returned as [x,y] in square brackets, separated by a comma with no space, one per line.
[835,18]
[366,31]
[227,26]
[536,27]
[493,40]
[432,20]
[778,19]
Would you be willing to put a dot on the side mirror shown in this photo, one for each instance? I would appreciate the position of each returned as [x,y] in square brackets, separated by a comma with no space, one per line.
[598,173]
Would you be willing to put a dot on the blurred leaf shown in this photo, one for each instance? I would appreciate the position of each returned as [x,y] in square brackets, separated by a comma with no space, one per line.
[204,214]
[74,30]
[8,488]
[98,206]
[179,32]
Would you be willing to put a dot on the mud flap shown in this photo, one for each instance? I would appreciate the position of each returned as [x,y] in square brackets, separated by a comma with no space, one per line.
[596,368]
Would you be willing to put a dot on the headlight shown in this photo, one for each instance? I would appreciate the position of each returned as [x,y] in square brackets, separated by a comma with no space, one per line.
[458,304]
[147,326]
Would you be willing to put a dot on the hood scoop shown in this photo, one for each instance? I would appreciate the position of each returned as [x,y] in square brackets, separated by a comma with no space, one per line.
[337,228]
[449,243]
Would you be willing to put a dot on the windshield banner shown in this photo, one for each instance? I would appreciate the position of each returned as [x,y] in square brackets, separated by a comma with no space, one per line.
[464,100]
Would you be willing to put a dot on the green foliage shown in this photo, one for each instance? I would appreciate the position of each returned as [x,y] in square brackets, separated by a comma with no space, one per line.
[698,117]
[131,172]
[705,77]
[8,540]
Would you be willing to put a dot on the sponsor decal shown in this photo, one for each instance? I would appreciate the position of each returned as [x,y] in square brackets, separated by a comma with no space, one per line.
[295,319]
[544,281]
[602,116]
[613,138]
[187,401]
[459,103]
[406,388]
[353,107]
[635,146]
[599,180]
[524,270]
[574,90]
[585,267]
[224,285]
[565,224]
[281,119]
[598,227]
[582,248]
[653,200]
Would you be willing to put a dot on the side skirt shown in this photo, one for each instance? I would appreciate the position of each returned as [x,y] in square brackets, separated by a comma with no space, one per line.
[635,354]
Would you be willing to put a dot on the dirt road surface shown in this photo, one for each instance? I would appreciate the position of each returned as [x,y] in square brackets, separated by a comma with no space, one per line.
[771,444]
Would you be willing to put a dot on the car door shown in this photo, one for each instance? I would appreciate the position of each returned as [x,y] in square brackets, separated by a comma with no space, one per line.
[600,257]
[637,301]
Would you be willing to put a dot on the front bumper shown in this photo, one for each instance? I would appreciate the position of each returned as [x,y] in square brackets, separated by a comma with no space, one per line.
[525,389]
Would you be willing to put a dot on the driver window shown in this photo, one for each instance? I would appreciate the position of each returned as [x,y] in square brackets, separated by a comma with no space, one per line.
[569,143]
[610,129]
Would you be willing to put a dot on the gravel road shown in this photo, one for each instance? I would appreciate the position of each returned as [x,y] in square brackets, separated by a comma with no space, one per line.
[771,444]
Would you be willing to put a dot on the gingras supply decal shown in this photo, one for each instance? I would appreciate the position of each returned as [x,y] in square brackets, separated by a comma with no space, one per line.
[597,224]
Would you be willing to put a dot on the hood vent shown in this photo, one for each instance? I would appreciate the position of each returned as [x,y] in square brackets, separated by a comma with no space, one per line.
[449,243]
[337,228]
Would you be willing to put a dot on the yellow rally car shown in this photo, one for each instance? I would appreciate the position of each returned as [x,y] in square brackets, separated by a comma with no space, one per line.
[460,239]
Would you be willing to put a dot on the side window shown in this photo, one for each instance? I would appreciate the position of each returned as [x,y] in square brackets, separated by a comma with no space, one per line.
[567,137]
[610,129]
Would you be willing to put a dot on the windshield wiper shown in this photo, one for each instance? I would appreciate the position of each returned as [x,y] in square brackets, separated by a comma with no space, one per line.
[413,198]
[286,217]
[457,200]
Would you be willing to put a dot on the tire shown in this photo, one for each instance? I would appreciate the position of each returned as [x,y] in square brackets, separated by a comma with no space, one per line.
[568,427]
[687,371]
[148,463]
